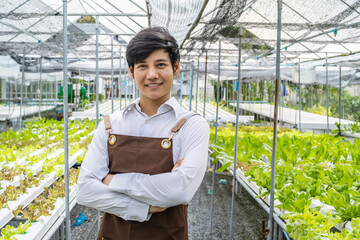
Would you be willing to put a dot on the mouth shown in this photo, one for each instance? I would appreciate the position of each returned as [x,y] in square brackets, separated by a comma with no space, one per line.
[153,85]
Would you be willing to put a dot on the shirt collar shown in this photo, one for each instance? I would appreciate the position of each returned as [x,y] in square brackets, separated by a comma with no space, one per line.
[171,102]
[131,106]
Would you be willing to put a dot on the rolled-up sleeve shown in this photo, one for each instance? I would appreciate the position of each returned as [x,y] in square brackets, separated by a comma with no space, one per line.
[93,193]
[179,186]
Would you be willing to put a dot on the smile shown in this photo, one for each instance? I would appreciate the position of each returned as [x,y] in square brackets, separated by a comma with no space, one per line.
[153,85]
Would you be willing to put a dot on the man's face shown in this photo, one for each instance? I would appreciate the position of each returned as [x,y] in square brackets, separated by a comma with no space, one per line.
[154,76]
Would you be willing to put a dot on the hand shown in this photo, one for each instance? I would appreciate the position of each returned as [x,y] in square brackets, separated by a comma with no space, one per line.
[107,179]
[178,164]
[154,209]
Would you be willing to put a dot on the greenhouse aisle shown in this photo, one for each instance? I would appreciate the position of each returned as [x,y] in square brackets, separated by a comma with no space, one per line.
[291,116]
[248,215]
[13,112]
[106,108]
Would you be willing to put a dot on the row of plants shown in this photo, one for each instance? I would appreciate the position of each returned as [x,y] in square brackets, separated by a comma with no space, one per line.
[42,206]
[37,134]
[313,97]
[317,177]
[22,179]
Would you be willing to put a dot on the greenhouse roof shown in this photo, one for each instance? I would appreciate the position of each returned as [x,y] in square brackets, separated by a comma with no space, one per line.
[310,29]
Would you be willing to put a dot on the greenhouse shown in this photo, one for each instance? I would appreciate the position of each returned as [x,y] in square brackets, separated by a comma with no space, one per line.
[277,82]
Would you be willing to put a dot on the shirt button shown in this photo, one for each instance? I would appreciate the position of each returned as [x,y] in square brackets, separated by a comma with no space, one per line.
[137,219]
[147,121]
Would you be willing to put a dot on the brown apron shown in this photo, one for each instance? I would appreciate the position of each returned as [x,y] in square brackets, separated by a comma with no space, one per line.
[150,156]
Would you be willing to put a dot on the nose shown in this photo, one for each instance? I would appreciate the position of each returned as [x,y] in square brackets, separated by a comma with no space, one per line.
[152,73]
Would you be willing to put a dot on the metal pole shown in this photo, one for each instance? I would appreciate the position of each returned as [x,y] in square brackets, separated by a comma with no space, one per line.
[181,85]
[66,140]
[205,82]
[216,130]
[273,159]
[296,107]
[227,94]
[339,100]
[191,86]
[327,96]
[261,97]
[265,95]
[233,98]
[311,98]
[126,87]
[299,97]
[26,97]
[120,73]
[40,72]
[97,87]
[88,88]
[249,97]
[112,75]
[236,138]
[21,89]
[62,231]
[10,95]
[197,85]
[133,87]
[97,70]
[56,89]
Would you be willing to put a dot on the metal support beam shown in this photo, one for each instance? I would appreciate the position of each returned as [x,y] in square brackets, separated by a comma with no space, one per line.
[206,58]
[138,6]
[21,89]
[49,14]
[66,138]
[327,96]
[97,87]
[181,88]
[299,74]
[112,75]
[191,86]
[97,70]
[126,87]
[340,100]
[40,86]
[216,130]
[2,33]
[197,85]
[236,138]
[273,158]
[119,82]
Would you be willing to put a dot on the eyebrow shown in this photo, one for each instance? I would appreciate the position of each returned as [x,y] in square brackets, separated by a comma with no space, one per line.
[158,60]
[162,60]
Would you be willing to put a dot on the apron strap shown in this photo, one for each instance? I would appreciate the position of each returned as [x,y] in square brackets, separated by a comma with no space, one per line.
[107,124]
[174,130]
[177,127]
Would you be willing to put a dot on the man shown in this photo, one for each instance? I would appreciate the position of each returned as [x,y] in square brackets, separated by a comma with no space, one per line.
[146,162]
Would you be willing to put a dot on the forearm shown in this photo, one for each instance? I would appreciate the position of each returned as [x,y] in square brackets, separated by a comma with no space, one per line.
[93,193]
[167,189]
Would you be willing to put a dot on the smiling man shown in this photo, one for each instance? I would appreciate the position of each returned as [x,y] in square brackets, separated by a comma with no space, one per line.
[146,162]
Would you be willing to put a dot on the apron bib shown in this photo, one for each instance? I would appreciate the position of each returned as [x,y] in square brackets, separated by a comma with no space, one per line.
[149,156]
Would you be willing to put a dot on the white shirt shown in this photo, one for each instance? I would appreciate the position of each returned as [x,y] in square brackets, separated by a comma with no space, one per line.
[129,195]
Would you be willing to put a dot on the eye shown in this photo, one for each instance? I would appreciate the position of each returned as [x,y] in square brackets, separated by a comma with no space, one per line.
[141,66]
[161,64]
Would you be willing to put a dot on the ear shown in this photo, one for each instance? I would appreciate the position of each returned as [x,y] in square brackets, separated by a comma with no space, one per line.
[176,68]
[131,72]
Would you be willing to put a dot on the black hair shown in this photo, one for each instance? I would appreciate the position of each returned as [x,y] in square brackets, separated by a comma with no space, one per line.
[149,40]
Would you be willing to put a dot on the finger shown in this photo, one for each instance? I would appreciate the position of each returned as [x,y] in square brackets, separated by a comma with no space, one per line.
[175,166]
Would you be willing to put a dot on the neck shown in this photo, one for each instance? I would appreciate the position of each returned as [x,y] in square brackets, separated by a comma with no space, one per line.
[150,107]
